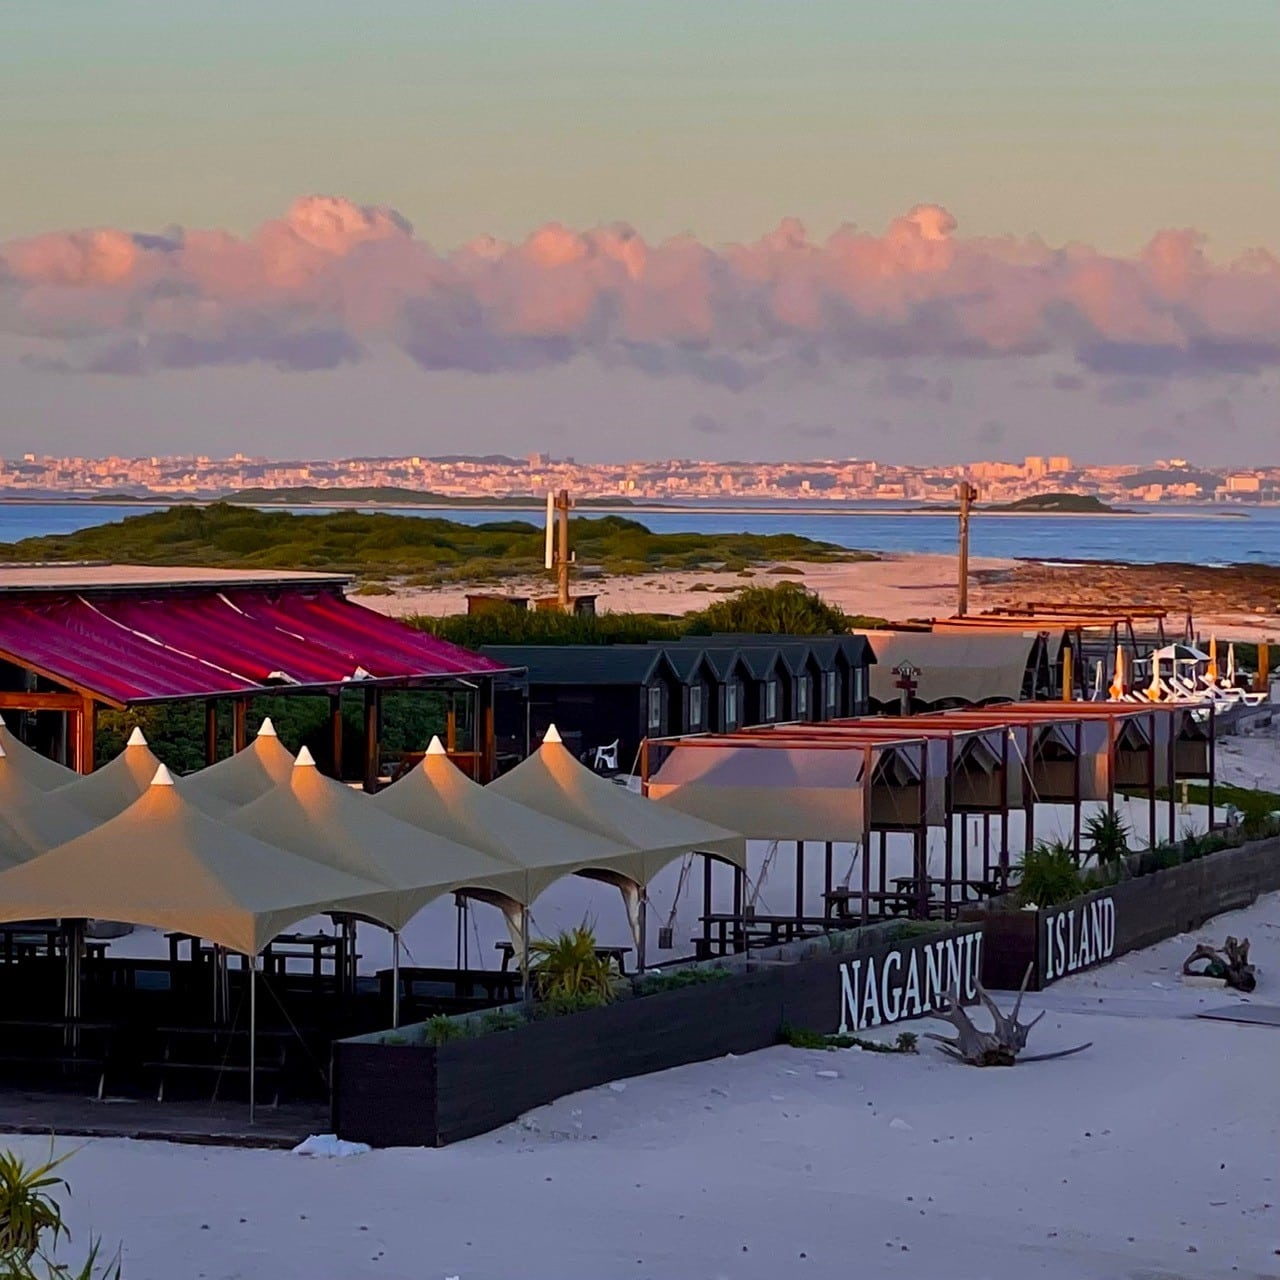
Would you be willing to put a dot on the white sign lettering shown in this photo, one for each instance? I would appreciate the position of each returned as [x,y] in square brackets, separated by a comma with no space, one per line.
[876,992]
[1078,937]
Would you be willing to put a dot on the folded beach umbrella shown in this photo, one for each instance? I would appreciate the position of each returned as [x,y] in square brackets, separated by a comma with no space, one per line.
[113,788]
[331,824]
[438,797]
[241,778]
[32,821]
[554,783]
[162,862]
[38,770]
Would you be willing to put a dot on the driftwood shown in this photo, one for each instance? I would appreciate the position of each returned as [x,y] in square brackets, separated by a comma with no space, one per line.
[998,1047]
[1231,964]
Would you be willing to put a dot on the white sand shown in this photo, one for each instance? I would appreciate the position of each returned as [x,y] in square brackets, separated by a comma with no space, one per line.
[1152,1154]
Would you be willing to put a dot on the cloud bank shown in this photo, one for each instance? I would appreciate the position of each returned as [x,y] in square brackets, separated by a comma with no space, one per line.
[331,282]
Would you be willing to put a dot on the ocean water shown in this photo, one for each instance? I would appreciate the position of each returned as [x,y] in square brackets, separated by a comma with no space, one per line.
[1190,535]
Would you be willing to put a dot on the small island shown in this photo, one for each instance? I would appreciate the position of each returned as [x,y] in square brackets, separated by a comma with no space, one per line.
[1075,504]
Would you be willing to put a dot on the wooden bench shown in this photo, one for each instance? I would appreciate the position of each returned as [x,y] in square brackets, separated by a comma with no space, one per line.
[222,1042]
[751,930]
[66,1047]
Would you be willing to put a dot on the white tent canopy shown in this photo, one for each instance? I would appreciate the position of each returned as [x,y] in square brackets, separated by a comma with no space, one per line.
[240,778]
[331,824]
[31,820]
[556,784]
[438,797]
[164,863]
[38,770]
[113,788]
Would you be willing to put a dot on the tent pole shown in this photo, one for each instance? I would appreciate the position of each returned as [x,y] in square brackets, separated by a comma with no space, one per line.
[644,928]
[395,978]
[253,1035]
[525,977]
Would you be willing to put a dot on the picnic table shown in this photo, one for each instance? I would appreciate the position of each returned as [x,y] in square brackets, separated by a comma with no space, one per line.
[617,955]
[498,985]
[724,932]
[220,1051]
[844,905]
[67,1042]
[18,941]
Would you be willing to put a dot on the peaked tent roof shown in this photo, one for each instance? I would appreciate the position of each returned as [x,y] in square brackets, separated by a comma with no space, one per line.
[240,779]
[328,822]
[163,862]
[39,770]
[31,820]
[114,787]
[437,796]
[556,784]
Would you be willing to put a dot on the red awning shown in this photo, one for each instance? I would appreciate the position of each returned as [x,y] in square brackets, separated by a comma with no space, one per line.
[156,646]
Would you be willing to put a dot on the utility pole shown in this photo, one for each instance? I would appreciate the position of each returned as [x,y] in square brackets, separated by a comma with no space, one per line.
[967,494]
[558,508]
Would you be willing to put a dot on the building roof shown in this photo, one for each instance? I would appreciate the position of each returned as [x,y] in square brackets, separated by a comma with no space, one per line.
[975,666]
[623,664]
[130,577]
[146,644]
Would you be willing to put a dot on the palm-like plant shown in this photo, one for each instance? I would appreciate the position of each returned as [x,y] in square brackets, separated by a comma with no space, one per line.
[1048,875]
[1108,838]
[567,968]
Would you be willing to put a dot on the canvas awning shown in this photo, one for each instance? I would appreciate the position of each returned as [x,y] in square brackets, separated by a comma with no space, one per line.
[131,647]
[769,792]
[241,778]
[438,797]
[969,666]
[330,823]
[114,787]
[163,862]
[553,782]
[32,821]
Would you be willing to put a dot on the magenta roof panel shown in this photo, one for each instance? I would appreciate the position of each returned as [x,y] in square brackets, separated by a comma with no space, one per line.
[149,646]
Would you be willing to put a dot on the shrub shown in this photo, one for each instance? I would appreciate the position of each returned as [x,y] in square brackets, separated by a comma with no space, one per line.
[653,983]
[568,967]
[1048,875]
[441,1030]
[31,1222]
[1108,838]
[501,1020]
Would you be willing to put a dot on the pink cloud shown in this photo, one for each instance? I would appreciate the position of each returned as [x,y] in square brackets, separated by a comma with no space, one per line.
[332,279]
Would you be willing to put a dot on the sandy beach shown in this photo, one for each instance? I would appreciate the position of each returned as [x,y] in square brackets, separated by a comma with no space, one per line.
[1133,1159]
[1237,603]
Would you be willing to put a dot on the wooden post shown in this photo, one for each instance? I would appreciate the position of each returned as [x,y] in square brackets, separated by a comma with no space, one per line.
[371,740]
[240,725]
[1262,683]
[967,494]
[451,726]
[487,765]
[335,733]
[563,505]
[88,728]
[1066,673]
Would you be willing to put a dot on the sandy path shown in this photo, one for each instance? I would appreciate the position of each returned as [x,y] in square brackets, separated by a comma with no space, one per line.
[1128,1160]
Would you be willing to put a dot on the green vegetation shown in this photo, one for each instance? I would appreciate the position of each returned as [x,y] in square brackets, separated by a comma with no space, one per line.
[567,971]
[653,984]
[426,550]
[31,1223]
[441,1030]
[389,495]
[1108,838]
[1059,503]
[1049,875]
[803,1038]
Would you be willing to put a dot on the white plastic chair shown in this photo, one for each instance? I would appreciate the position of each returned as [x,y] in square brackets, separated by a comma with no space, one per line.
[607,757]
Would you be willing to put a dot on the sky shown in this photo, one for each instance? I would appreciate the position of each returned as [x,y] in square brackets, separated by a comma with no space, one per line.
[921,230]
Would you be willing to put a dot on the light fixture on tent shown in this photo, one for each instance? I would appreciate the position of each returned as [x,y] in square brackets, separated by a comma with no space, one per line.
[552,735]
[139,739]
[267,729]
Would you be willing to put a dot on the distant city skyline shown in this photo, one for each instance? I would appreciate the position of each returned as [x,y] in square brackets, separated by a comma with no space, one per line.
[922,232]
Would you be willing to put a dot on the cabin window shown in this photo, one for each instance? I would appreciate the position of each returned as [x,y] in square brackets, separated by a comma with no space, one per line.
[802,698]
[859,686]
[731,706]
[695,707]
[771,700]
[829,689]
[655,710]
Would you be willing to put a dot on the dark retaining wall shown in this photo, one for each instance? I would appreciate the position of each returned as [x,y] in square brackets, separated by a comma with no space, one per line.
[1124,917]
[419,1095]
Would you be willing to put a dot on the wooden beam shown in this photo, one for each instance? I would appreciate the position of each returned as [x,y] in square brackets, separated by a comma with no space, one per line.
[210,732]
[21,700]
[240,725]
[335,733]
